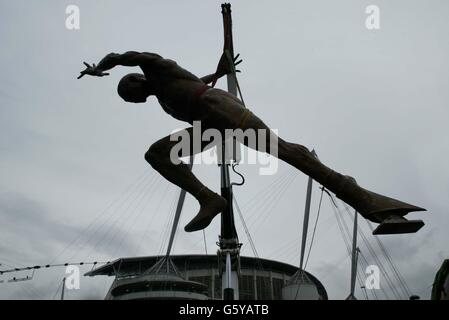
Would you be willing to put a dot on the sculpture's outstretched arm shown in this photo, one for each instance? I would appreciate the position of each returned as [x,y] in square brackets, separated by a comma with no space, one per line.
[209,78]
[224,67]
[127,59]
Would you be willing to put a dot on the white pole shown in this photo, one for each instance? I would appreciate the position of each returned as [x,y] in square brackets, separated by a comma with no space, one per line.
[228,271]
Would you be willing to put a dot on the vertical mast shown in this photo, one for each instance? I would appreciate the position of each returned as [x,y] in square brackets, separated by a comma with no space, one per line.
[182,196]
[228,240]
[305,227]
[354,260]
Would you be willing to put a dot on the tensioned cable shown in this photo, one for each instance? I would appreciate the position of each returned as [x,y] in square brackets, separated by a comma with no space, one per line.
[366,264]
[402,285]
[390,260]
[311,241]
[265,192]
[250,240]
[268,209]
[31,291]
[116,213]
[261,194]
[114,229]
[245,227]
[37,267]
[314,228]
[150,220]
[120,233]
[57,290]
[170,225]
[376,258]
[262,209]
[128,188]
[344,231]
[118,217]
[267,205]
[373,254]
[166,232]
[95,230]
[371,250]
[137,216]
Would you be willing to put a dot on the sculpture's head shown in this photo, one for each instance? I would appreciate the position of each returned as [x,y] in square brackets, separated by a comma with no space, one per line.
[134,87]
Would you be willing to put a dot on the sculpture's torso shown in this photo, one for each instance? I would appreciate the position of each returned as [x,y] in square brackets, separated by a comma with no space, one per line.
[177,90]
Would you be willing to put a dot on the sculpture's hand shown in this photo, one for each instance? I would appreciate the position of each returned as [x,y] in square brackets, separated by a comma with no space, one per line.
[227,65]
[92,70]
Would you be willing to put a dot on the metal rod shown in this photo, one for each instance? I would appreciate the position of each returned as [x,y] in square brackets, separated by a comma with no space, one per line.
[305,226]
[63,289]
[306,221]
[182,196]
[228,271]
[354,256]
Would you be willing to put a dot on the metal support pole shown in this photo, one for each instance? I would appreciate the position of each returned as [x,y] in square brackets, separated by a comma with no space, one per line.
[305,226]
[228,242]
[228,292]
[63,289]
[354,257]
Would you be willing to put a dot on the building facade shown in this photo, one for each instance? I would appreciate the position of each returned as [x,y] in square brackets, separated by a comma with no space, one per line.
[198,277]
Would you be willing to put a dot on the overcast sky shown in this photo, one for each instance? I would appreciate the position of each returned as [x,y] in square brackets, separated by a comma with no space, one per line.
[74,185]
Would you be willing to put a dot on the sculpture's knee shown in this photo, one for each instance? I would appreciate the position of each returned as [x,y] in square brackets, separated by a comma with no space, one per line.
[150,156]
[155,155]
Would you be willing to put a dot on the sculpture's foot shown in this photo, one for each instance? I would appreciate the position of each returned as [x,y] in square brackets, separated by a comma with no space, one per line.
[209,209]
[387,211]
[396,224]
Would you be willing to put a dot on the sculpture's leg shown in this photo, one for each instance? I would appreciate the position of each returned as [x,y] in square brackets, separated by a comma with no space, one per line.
[370,205]
[158,156]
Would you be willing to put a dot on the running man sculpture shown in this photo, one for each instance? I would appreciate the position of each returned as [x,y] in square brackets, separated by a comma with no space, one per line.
[189,98]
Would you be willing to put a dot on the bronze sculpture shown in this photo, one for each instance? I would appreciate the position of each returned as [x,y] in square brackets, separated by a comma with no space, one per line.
[189,98]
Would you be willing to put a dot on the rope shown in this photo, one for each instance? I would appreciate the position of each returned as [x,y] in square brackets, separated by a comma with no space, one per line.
[109,228]
[311,241]
[365,266]
[128,188]
[277,196]
[364,239]
[344,231]
[245,227]
[167,225]
[265,194]
[57,290]
[398,274]
[314,228]
[150,220]
[132,227]
[376,259]
[175,218]
[47,266]
[131,218]
[96,231]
